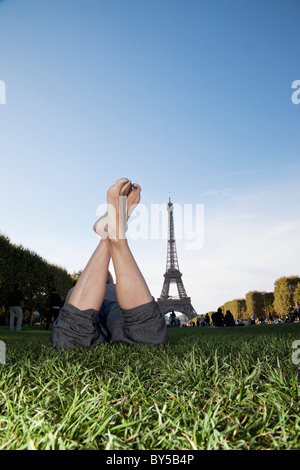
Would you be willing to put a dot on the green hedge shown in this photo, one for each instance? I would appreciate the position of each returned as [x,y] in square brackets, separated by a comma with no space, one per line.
[36,275]
[260,304]
[279,303]
[237,307]
[286,291]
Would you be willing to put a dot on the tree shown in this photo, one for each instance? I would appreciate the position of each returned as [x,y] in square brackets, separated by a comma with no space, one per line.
[259,304]
[237,307]
[297,293]
[269,304]
[284,289]
[76,276]
[255,304]
[36,275]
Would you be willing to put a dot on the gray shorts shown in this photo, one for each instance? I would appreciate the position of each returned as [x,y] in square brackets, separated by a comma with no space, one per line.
[144,324]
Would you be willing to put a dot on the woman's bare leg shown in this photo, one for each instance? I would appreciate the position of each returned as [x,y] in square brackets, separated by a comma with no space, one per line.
[131,288]
[90,287]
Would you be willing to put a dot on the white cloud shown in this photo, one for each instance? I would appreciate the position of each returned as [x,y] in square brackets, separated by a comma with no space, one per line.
[215,192]
[251,196]
[285,227]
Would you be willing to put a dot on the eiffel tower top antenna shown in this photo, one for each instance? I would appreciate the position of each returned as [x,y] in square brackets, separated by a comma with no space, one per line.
[172,259]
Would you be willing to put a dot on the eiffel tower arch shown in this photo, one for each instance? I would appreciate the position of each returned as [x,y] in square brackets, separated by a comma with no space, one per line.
[168,303]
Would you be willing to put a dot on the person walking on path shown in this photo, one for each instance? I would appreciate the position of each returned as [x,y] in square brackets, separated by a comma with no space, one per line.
[16,304]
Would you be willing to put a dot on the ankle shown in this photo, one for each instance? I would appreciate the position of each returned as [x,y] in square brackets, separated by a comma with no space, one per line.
[116,243]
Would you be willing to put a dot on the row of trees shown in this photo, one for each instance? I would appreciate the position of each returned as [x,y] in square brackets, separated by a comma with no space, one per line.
[279,303]
[36,275]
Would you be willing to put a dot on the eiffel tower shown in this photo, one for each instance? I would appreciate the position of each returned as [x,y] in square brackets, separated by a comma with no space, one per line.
[168,303]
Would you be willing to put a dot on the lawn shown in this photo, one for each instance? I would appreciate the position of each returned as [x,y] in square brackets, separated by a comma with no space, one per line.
[209,388]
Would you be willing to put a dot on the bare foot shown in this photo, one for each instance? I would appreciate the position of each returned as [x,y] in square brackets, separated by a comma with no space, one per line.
[122,198]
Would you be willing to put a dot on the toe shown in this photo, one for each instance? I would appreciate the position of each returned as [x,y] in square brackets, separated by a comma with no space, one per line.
[136,191]
[121,187]
[126,188]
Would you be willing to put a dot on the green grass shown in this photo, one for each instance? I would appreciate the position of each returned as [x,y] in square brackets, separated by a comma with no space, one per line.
[229,388]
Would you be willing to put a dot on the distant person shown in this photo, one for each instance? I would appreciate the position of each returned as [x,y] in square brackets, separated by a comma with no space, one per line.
[55,304]
[270,318]
[229,320]
[16,304]
[202,321]
[207,319]
[218,318]
[296,311]
[173,319]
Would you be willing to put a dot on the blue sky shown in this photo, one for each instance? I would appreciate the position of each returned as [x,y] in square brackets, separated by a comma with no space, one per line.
[187,97]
